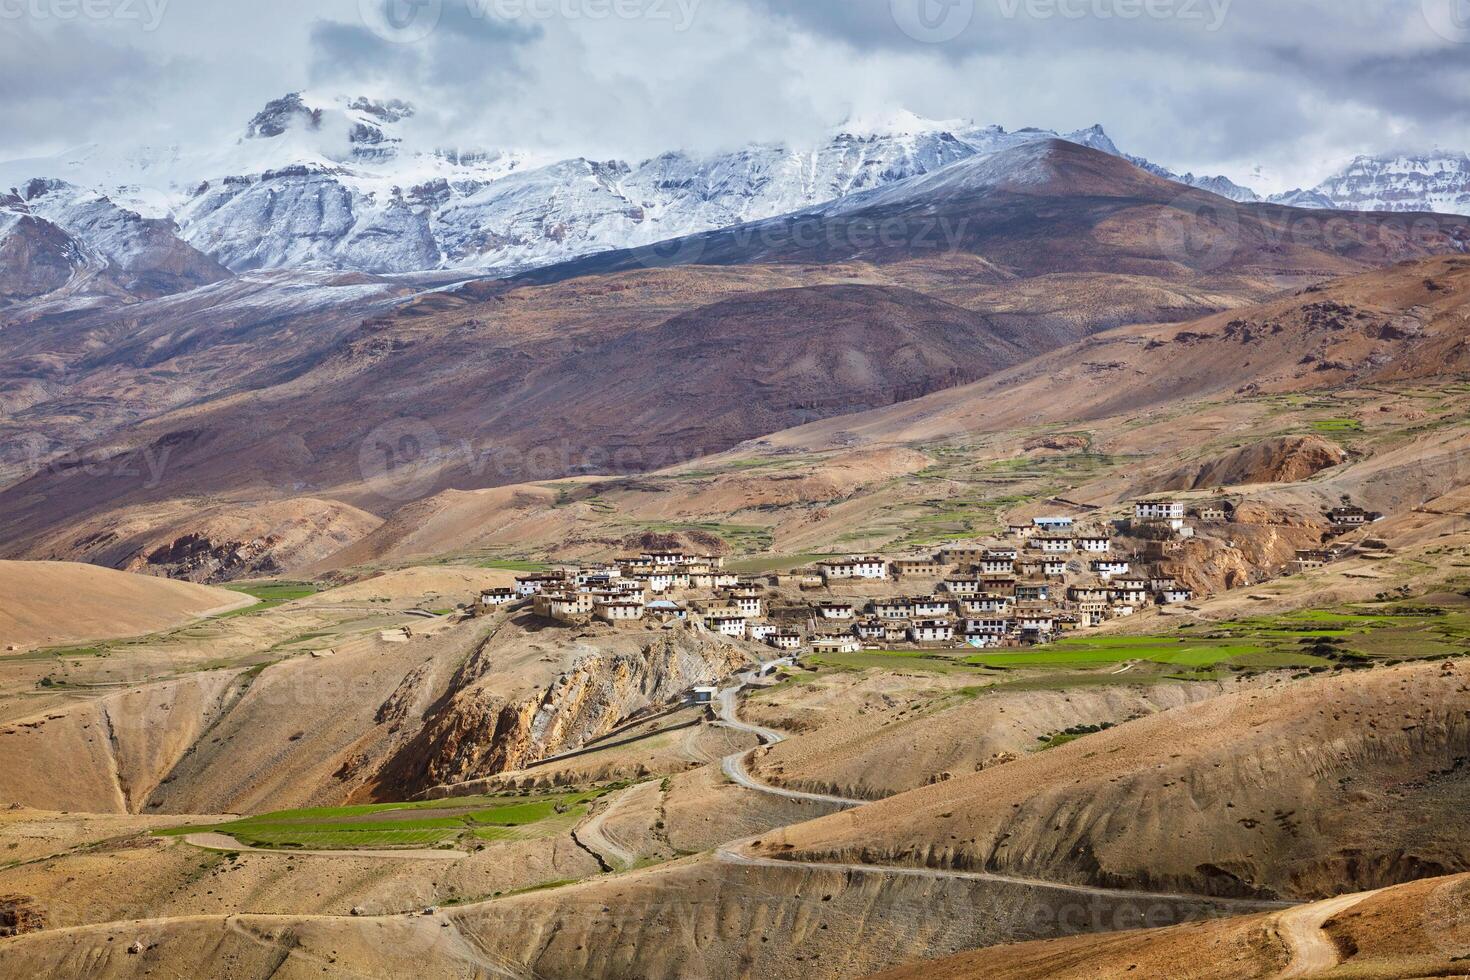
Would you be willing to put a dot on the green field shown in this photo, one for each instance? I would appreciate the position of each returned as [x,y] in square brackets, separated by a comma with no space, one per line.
[1315,639]
[515,565]
[1336,425]
[270,594]
[435,823]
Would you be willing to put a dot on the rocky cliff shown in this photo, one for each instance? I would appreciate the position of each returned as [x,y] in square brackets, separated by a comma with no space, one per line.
[474,731]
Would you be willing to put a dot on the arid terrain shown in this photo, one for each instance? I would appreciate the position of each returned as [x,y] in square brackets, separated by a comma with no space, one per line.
[292,683]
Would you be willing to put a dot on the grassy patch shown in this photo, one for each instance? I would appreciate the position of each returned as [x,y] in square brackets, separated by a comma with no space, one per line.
[515,565]
[1336,425]
[270,594]
[396,825]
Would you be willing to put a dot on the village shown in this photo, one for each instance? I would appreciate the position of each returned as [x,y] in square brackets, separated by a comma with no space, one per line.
[1044,578]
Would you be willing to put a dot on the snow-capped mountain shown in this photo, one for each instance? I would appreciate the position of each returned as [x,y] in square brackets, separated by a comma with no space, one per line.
[336,183]
[1219,184]
[1431,182]
[1301,198]
[351,183]
[56,236]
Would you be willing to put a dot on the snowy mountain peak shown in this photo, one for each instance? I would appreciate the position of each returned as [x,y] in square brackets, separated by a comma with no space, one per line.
[280,115]
[898,122]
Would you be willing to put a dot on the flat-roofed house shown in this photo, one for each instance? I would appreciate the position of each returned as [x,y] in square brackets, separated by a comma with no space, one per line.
[749,605]
[529,585]
[982,604]
[1106,568]
[761,631]
[1176,595]
[962,586]
[1159,511]
[892,608]
[618,610]
[836,644]
[726,625]
[497,597]
[1097,544]
[1053,544]
[870,567]
[961,554]
[999,584]
[931,607]
[932,631]
[836,610]
[785,640]
[918,568]
[871,629]
[989,625]
[995,566]
[1032,592]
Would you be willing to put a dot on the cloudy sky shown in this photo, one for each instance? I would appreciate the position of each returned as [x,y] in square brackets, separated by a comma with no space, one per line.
[1274,93]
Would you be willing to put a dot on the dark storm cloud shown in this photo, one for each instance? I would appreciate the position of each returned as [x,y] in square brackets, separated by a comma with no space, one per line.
[1286,90]
[466,42]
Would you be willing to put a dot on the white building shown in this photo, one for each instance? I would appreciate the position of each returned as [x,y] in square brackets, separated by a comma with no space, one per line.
[836,610]
[836,644]
[1053,544]
[727,625]
[893,608]
[761,632]
[497,597]
[932,631]
[930,607]
[1173,596]
[1108,568]
[1168,512]
[1095,544]
[618,610]
[865,568]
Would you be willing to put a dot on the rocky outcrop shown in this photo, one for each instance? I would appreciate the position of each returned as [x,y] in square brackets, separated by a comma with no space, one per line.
[474,731]
[1285,459]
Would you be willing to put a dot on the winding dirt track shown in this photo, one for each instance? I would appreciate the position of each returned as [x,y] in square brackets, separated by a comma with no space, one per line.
[737,853]
[1312,950]
[727,707]
[215,841]
[593,834]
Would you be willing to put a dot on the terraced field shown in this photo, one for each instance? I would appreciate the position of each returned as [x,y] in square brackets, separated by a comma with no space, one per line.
[1315,640]
[433,823]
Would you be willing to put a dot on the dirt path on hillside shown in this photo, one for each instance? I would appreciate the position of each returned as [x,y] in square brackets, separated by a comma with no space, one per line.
[215,841]
[1312,950]
[727,707]
[594,835]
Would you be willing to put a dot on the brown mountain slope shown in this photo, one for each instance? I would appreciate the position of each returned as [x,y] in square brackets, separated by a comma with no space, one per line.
[497,383]
[1404,322]
[1356,780]
[1057,207]
[58,603]
[1416,929]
